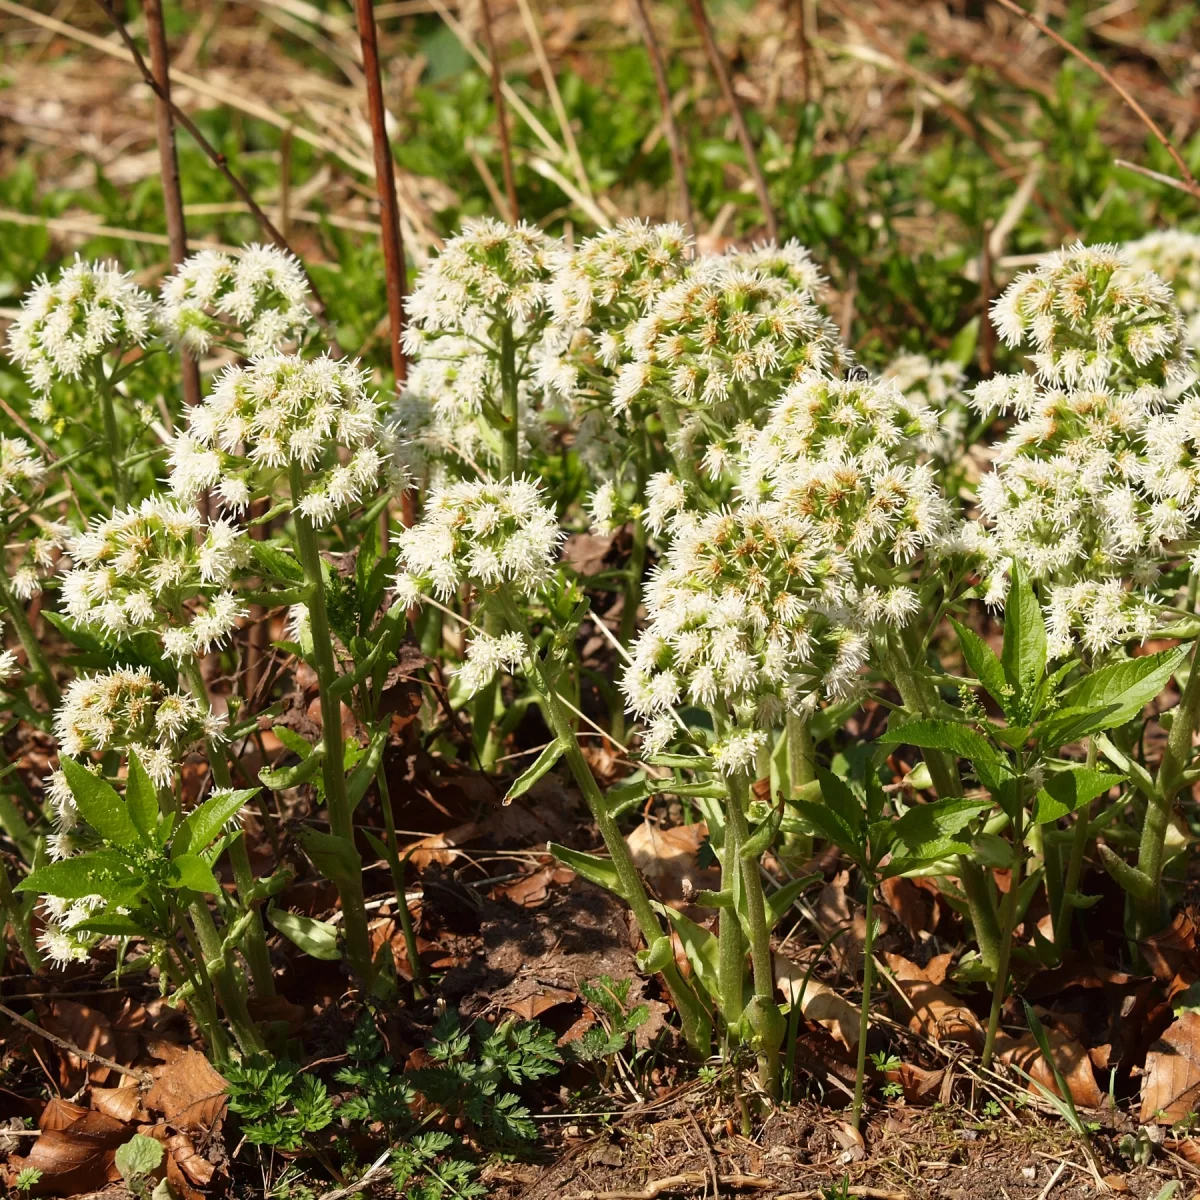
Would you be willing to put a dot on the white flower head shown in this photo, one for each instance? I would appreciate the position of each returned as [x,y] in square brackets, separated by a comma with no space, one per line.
[256,301]
[279,414]
[64,327]
[157,567]
[484,533]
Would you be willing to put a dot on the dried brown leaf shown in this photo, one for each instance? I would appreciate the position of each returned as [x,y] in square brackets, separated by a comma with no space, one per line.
[819,1002]
[121,1103]
[539,999]
[76,1159]
[90,1030]
[189,1093]
[1171,1084]
[937,1014]
[668,859]
[1069,1056]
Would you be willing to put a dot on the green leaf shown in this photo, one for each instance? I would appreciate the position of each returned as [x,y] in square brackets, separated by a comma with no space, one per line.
[1068,790]
[542,766]
[700,946]
[191,871]
[591,867]
[1110,697]
[985,666]
[837,795]
[930,734]
[203,824]
[71,879]
[779,902]
[275,564]
[927,830]
[318,939]
[1024,655]
[141,799]
[288,777]
[100,805]
[293,741]
[826,823]
[139,1156]
[335,857]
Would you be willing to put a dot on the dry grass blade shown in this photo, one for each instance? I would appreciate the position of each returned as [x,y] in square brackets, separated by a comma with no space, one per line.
[670,125]
[1189,184]
[674,1183]
[497,82]
[721,70]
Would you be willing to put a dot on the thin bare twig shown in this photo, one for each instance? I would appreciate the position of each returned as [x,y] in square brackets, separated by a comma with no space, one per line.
[1189,183]
[510,186]
[69,1046]
[1157,176]
[721,70]
[670,126]
[168,162]
[215,156]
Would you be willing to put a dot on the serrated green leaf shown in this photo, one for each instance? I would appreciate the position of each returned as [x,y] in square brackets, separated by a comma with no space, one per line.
[985,666]
[99,805]
[192,872]
[1024,654]
[318,939]
[71,879]
[1068,790]
[926,829]
[203,824]
[276,564]
[828,824]
[141,799]
[139,1156]
[930,734]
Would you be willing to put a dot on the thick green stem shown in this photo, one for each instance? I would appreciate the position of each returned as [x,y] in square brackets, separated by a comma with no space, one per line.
[397,865]
[697,1028]
[762,1014]
[731,941]
[510,455]
[483,708]
[1008,917]
[919,698]
[1148,912]
[255,945]
[230,994]
[1079,843]
[864,1020]
[341,824]
[38,666]
[112,433]
[684,465]
[801,754]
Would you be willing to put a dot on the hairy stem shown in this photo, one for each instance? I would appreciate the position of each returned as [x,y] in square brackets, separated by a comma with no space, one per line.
[206,945]
[1079,843]
[864,1020]
[1148,913]
[697,1029]
[255,944]
[1008,919]
[341,824]
[510,456]
[397,865]
[112,433]
[801,753]
[762,1015]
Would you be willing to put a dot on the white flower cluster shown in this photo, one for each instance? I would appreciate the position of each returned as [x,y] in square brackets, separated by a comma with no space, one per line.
[1090,485]
[21,475]
[157,567]
[61,939]
[847,455]
[9,663]
[724,340]
[127,709]
[1174,256]
[278,413]
[65,326]
[255,300]
[482,533]
[752,613]
[940,385]
[1093,322]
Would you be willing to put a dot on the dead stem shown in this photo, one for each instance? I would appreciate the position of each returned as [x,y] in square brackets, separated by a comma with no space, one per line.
[497,79]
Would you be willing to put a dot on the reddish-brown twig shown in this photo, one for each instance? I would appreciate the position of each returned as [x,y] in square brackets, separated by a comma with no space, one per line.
[78,1051]
[389,209]
[1189,183]
[721,71]
[168,162]
[510,186]
[670,126]
[214,155]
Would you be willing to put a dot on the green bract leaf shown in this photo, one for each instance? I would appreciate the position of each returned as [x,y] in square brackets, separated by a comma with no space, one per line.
[545,761]
[72,879]
[141,799]
[203,824]
[100,805]
[1024,655]
[701,949]
[591,867]
[985,666]
[1068,790]
[318,939]
[191,871]
[926,830]
[139,1156]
